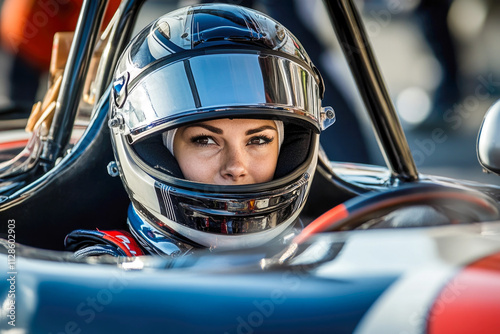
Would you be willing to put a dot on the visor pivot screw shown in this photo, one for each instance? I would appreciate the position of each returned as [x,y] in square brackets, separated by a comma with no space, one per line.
[113,170]
[327,117]
[330,114]
[116,121]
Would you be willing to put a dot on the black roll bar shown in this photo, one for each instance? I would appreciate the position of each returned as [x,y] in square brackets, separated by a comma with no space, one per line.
[77,65]
[354,41]
[86,35]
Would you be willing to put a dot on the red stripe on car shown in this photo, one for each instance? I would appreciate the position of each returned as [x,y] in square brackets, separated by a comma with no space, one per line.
[470,302]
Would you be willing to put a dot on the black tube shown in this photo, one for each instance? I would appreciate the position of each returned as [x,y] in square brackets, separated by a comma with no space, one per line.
[86,34]
[360,57]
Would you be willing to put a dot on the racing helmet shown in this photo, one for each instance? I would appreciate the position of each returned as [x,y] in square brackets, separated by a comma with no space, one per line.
[201,63]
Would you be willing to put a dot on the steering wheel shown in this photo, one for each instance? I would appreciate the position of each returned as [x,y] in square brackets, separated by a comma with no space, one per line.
[467,203]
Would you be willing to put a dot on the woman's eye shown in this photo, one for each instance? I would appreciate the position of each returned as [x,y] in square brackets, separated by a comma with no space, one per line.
[203,140]
[260,140]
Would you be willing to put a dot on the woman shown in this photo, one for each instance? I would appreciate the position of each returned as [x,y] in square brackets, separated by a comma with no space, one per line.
[215,119]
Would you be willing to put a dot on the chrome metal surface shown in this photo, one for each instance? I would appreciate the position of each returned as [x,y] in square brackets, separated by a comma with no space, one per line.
[84,40]
[228,213]
[197,27]
[251,83]
[488,141]
[154,241]
[361,59]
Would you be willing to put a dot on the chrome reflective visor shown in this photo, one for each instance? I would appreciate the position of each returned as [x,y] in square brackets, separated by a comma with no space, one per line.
[216,85]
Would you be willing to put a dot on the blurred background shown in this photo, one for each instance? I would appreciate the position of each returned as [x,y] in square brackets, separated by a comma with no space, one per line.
[440,62]
[438,57]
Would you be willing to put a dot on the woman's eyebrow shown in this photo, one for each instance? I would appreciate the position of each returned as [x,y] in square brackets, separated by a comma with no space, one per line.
[208,127]
[260,129]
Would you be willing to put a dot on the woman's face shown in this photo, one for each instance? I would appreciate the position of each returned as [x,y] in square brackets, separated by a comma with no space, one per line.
[228,151]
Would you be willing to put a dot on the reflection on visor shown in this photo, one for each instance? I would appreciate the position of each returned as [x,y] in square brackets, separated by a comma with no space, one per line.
[217,83]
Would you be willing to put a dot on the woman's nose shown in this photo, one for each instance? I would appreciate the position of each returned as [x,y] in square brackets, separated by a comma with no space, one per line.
[234,167]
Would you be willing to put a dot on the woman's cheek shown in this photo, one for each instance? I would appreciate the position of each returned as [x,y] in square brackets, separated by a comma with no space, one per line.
[264,164]
[205,167]
[268,152]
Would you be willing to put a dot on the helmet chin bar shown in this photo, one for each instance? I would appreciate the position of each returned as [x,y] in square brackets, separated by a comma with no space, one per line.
[226,213]
[226,220]
[172,239]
